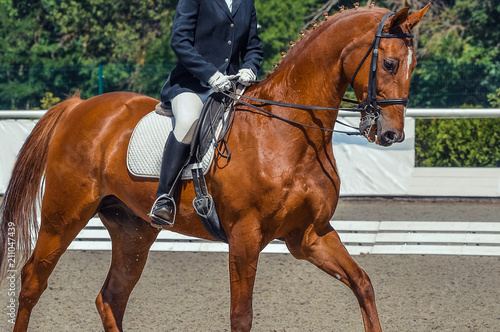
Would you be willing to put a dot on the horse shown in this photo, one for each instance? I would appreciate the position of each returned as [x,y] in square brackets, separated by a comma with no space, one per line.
[280,183]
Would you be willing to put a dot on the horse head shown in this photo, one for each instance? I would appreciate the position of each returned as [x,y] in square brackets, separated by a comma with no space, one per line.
[382,82]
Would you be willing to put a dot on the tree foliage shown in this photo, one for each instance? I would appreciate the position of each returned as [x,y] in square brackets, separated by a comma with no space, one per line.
[280,22]
[53,45]
[459,53]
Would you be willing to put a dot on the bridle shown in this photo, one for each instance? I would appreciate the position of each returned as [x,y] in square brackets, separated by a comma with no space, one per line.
[369,106]
[371,103]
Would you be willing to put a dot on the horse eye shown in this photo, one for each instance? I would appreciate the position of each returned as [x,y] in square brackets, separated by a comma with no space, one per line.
[390,65]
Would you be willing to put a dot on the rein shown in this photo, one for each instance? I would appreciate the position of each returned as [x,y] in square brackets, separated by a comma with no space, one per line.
[265,102]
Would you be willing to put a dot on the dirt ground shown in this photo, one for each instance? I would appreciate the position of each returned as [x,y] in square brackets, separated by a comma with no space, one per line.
[190,291]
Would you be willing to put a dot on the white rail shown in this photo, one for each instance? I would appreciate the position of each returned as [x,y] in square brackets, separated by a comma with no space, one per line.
[28,114]
[443,113]
[411,112]
[359,237]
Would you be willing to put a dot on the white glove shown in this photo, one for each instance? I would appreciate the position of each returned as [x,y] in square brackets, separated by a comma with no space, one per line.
[220,82]
[246,76]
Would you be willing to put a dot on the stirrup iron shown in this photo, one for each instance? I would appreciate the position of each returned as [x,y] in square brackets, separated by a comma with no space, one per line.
[159,222]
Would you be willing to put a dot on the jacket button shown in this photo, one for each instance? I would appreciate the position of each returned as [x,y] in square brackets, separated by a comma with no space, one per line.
[227,60]
[229,42]
[232,25]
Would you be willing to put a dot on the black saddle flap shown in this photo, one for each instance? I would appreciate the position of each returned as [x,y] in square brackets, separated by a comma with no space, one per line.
[211,115]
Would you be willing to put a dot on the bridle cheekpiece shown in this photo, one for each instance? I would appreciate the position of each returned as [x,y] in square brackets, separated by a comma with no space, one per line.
[370,105]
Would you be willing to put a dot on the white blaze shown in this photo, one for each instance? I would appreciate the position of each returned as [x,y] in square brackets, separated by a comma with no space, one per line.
[408,62]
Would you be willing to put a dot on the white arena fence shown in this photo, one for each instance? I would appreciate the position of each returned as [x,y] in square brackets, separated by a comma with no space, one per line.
[365,170]
[359,237]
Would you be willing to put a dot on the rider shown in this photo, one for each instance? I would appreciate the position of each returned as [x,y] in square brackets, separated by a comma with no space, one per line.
[215,41]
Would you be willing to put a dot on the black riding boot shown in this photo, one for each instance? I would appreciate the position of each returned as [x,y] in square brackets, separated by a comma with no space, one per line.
[175,154]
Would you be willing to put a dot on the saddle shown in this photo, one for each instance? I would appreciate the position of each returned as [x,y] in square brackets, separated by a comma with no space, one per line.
[148,139]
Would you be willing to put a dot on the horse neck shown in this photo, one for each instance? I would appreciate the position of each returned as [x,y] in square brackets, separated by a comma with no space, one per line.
[312,72]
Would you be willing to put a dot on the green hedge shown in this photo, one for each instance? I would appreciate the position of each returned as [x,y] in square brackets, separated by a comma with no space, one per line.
[457,143]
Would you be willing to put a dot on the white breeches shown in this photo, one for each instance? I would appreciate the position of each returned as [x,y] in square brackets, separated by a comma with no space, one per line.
[187,108]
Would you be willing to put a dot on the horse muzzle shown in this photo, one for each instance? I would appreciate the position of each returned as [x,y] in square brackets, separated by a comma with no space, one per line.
[389,137]
[372,127]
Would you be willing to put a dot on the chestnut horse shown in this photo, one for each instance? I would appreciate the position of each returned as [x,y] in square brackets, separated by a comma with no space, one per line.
[281,181]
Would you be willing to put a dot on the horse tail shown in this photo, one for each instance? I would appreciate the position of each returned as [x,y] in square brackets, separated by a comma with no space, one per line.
[18,211]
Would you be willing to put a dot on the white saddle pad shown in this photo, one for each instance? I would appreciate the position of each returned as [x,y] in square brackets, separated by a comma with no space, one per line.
[145,149]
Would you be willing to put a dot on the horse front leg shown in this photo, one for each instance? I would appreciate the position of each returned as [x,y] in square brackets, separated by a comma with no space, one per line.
[326,251]
[243,258]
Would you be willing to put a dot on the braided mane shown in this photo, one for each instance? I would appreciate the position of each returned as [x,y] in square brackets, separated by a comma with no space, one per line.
[317,28]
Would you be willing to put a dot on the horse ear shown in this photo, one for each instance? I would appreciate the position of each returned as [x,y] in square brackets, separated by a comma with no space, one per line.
[399,18]
[402,18]
[415,17]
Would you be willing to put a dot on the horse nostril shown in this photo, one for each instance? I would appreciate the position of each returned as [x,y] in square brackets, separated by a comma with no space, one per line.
[402,138]
[390,136]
